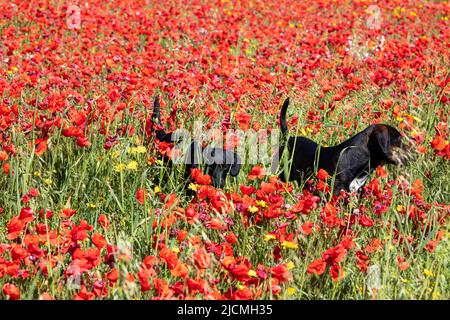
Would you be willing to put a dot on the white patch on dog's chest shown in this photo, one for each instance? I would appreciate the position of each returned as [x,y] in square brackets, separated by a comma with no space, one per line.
[358,182]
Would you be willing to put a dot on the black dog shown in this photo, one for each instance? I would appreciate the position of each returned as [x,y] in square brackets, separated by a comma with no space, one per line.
[352,161]
[219,162]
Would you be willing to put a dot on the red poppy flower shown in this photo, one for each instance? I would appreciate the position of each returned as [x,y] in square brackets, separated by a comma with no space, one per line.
[162,288]
[268,187]
[33,192]
[318,267]
[216,224]
[72,131]
[431,246]
[150,261]
[47,213]
[231,238]
[307,228]
[3,155]
[182,234]
[144,276]
[199,177]
[365,221]
[103,221]
[417,188]
[336,272]
[281,273]
[6,167]
[41,147]
[83,141]
[67,213]
[335,255]
[257,172]
[98,240]
[83,294]
[169,257]
[381,172]
[322,175]
[15,227]
[11,291]
[140,195]
[247,190]
[180,270]
[113,275]
[18,252]
[201,259]
[439,143]
[402,265]
[373,246]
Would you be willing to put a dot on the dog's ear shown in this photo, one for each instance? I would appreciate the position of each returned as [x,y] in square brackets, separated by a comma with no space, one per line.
[382,137]
[236,166]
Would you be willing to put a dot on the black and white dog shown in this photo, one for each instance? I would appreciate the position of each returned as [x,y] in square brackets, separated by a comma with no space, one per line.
[218,162]
[351,162]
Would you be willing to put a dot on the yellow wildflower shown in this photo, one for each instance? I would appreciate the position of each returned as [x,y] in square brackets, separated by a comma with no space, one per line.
[269,237]
[291,291]
[435,295]
[428,273]
[303,131]
[290,265]
[252,209]
[115,154]
[261,203]
[138,149]
[176,249]
[119,167]
[289,245]
[132,165]
[251,273]
[192,186]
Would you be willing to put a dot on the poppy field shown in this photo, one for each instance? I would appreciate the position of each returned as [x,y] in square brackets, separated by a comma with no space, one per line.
[89,210]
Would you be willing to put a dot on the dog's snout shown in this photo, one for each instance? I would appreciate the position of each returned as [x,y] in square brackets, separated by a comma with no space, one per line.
[404,153]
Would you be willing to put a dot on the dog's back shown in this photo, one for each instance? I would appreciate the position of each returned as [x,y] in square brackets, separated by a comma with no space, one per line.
[351,161]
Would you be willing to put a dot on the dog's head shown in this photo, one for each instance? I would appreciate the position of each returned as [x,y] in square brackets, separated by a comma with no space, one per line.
[394,148]
[220,163]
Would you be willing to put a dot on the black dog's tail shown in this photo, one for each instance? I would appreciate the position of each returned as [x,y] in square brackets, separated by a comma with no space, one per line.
[161,135]
[283,124]
[156,116]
